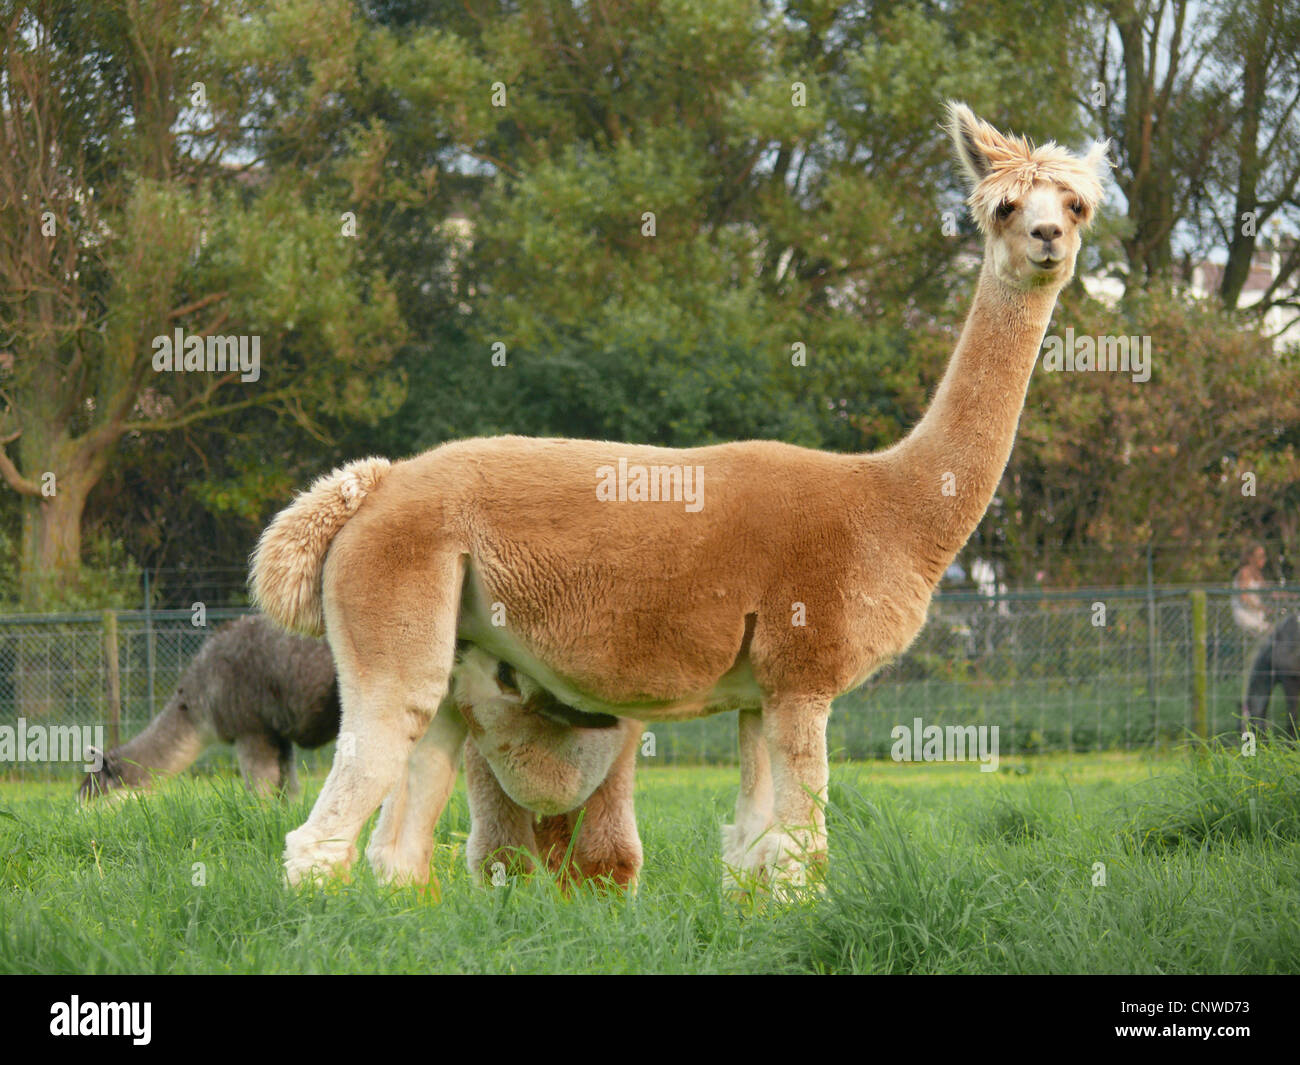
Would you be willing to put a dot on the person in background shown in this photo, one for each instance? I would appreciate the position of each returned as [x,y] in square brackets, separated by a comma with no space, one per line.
[1247,606]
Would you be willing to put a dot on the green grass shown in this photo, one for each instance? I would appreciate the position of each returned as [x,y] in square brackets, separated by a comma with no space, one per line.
[934,869]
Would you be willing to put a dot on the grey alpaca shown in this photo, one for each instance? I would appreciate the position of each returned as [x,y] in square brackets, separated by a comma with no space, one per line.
[251,684]
[1278,662]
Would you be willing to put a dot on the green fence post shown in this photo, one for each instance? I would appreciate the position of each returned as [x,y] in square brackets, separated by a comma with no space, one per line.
[1199,672]
[1151,653]
[148,642]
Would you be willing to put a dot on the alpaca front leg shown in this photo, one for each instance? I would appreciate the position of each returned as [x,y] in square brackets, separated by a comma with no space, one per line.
[401,846]
[606,845]
[754,803]
[500,829]
[793,853]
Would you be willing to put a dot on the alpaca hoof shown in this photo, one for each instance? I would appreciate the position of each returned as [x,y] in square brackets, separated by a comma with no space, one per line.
[742,861]
[794,867]
[735,857]
[392,867]
[315,862]
[781,865]
[616,872]
[737,846]
[303,872]
[494,866]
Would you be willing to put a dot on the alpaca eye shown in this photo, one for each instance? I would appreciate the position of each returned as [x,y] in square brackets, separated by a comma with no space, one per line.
[1077,208]
[1005,210]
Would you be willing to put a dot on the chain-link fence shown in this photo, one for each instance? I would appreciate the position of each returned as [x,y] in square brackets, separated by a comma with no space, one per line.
[104,674]
[1075,671]
[1078,671]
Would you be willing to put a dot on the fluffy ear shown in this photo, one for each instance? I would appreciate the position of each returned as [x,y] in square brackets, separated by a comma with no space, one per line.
[1098,160]
[971,137]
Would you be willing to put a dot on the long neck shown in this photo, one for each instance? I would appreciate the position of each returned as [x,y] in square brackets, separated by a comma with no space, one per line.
[946,470]
[169,744]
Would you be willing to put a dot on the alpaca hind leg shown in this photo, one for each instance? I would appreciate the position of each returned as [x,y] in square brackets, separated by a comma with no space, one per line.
[501,836]
[754,803]
[374,743]
[394,664]
[388,825]
[288,771]
[793,853]
[401,845]
[553,834]
[259,763]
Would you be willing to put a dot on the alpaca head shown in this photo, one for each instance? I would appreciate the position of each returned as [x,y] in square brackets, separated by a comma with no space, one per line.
[1031,203]
[171,741]
[115,777]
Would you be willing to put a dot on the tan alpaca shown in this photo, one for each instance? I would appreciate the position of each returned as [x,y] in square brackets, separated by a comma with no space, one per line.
[666,584]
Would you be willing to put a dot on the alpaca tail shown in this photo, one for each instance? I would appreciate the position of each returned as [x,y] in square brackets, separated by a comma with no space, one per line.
[286,565]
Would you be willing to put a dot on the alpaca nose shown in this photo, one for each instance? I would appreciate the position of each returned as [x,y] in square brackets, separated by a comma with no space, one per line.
[1046,231]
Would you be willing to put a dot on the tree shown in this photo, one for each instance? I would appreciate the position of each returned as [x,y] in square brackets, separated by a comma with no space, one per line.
[1201,454]
[1200,103]
[697,222]
[1257,170]
[135,201]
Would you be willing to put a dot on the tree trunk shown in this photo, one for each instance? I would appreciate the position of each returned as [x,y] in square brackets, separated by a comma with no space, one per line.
[1241,246]
[51,558]
[51,544]
[49,566]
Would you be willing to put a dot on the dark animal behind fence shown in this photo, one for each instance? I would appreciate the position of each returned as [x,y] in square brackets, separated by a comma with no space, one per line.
[1278,662]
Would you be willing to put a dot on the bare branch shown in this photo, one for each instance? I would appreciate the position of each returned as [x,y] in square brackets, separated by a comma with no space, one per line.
[15,480]
[196,305]
[155,425]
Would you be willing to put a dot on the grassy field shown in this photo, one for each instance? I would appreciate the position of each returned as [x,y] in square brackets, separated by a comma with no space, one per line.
[934,869]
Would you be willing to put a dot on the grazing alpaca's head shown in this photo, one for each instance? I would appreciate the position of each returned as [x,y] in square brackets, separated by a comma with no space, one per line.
[170,742]
[114,777]
[1029,202]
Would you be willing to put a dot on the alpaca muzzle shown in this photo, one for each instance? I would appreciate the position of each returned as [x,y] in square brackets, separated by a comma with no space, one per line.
[544,703]
[95,785]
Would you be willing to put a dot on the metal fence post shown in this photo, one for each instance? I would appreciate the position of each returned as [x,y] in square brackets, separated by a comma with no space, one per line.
[1151,650]
[1200,686]
[148,642]
[114,678]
